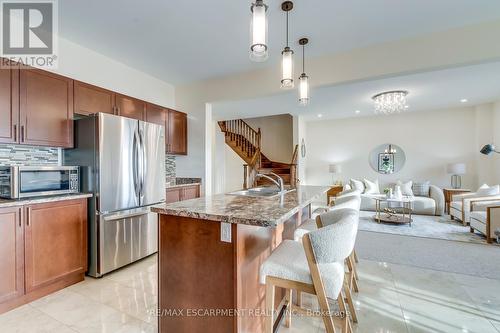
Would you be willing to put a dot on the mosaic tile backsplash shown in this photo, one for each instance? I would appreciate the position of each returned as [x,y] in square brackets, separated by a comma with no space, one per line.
[28,155]
[170,168]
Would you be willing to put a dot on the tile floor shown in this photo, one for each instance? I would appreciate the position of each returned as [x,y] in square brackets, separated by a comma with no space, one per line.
[393,298]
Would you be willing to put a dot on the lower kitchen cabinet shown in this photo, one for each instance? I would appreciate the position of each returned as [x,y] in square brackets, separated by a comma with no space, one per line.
[43,248]
[181,193]
[11,254]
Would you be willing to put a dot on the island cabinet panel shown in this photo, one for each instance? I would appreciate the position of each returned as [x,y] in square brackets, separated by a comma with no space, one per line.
[199,270]
[177,133]
[11,254]
[90,99]
[130,107]
[56,242]
[9,105]
[46,109]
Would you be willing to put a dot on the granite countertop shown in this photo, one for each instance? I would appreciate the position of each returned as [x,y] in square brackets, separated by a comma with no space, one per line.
[181,182]
[259,211]
[36,200]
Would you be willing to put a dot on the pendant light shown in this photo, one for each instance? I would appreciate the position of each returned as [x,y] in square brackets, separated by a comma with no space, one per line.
[287,54]
[258,31]
[303,78]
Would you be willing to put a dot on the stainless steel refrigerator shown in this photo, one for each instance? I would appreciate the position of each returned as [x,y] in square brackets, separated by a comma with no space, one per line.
[123,164]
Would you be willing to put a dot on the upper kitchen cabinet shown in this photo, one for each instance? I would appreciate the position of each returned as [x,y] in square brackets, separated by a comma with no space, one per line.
[90,99]
[177,133]
[130,107]
[46,109]
[156,114]
[9,105]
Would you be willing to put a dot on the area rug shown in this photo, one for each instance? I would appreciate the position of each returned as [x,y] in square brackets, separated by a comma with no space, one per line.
[437,254]
[437,227]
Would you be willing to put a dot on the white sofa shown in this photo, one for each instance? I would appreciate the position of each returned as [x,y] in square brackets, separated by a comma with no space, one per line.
[460,205]
[422,205]
[485,218]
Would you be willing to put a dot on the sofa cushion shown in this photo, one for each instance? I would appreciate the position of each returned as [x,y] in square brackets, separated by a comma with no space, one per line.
[371,187]
[478,221]
[488,190]
[357,185]
[424,206]
[406,188]
[421,189]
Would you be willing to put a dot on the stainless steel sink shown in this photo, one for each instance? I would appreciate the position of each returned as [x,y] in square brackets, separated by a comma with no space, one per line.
[267,192]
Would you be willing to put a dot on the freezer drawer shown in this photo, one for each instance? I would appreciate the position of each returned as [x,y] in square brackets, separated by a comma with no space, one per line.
[125,237]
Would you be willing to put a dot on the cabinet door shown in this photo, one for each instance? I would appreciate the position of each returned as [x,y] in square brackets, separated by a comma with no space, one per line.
[177,132]
[191,192]
[130,107]
[9,105]
[11,254]
[90,99]
[173,195]
[156,114]
[46,108]
[55,242]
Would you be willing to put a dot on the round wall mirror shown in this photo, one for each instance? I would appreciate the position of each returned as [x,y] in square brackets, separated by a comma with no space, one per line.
[387,159]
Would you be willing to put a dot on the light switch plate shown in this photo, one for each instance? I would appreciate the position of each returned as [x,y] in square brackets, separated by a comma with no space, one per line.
[225,232]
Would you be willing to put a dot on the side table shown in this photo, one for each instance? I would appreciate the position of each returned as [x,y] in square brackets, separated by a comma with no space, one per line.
[448,193]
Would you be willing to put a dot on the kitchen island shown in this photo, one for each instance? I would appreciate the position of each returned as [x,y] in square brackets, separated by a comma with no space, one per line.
[210,252]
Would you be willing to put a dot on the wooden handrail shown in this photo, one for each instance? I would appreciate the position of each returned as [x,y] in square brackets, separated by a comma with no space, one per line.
[244,135]
[295,154]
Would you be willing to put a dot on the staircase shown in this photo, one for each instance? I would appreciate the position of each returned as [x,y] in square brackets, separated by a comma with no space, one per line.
[246,142]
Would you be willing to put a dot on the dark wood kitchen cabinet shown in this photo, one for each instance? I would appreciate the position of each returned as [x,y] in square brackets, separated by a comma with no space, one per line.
[43,248]
[177,133]
[156,114]
[9,105]
[130,107]
[55,242]
[46,109]
[91,99]
[11,253]
[180,193]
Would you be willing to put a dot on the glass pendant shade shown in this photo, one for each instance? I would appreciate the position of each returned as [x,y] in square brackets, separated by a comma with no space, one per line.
[287,68]
[303,89]
[258,31]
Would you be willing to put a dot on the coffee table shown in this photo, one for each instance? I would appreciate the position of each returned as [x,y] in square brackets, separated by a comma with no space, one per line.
[397,211]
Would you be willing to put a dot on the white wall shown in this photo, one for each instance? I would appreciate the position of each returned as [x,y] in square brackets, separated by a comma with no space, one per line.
[80,63]
[430,139]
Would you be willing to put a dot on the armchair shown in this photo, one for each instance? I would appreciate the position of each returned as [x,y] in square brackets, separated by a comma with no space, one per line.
[485,218]
[460,206]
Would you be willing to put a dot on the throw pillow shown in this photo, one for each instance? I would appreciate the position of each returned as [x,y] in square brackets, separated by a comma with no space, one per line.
[487,191]
[357,185]
[371,187]
[406,188]
[422,189]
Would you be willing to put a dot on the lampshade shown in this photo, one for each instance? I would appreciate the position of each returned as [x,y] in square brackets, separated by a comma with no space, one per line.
[335,168]
[456,168]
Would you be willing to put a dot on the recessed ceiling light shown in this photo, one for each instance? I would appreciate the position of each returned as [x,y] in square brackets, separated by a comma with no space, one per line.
[464,100]
[357,111]
[407,106]
[320,115]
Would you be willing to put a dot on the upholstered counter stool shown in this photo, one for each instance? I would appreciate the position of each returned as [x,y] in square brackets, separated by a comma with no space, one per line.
[332,217]
[316,267]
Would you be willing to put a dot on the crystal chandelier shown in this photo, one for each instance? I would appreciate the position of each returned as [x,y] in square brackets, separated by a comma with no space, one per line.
[390,101]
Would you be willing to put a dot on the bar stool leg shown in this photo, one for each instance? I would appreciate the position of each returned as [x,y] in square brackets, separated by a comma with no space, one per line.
[355,256]
[350,303]
[269,307]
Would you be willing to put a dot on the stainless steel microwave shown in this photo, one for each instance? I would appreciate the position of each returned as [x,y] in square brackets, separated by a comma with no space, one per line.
[17,182]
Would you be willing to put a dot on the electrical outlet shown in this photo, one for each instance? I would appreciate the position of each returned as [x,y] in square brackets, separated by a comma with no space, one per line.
[225,232]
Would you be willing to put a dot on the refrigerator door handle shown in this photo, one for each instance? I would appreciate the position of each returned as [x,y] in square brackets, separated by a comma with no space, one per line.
[143,165]
[135,164]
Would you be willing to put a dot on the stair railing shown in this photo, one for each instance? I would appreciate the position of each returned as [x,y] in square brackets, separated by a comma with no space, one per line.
[293,167]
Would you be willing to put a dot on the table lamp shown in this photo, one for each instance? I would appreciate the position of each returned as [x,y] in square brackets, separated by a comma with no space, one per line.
[456,170]
[335,169]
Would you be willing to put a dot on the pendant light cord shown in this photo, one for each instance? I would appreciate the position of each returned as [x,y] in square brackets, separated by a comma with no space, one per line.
[303,58]
[287,29]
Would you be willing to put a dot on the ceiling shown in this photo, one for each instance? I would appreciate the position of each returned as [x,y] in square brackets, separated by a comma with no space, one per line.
[427,91]
[190,40]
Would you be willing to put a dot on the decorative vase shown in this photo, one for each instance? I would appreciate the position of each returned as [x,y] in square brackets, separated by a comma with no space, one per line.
[390,194]
[398,195]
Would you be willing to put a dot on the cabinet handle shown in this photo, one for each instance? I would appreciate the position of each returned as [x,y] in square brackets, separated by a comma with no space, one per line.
[15,132]
[22,133]
[28,216]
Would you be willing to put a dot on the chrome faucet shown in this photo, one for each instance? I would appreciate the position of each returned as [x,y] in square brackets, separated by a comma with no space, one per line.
[278,182]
